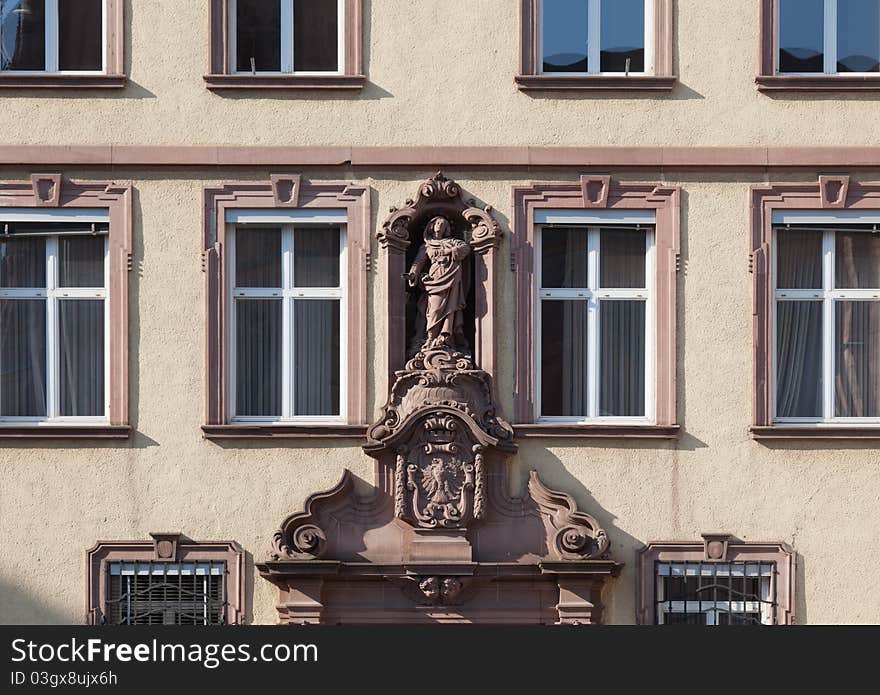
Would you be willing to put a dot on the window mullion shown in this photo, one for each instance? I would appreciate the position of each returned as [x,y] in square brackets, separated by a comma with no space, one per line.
[287,47]
[828,325]
[52,38]
[594,35]
[830,37]
[52,347]
[593,365]
[287,309]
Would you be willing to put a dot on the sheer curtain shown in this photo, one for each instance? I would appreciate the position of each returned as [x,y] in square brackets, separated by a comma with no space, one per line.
[81,357]
[23,357]
[799,326]
[622,358]
[316,357]
[258,356]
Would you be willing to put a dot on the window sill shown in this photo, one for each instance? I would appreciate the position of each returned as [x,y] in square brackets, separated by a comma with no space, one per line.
[591,83]
[216,432]
[597,431]
[65,432]
[779,432]
[818,83]
[68,81]
[343,82]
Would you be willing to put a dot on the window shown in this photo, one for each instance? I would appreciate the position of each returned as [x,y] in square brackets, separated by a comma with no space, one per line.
[571,44]
[719,581]
[594,318]
[596,263]
[827,307]
[61,42]
[287,339]
[286,44]
[286,278]
[816,265]
[820,44]
[65,253]
[53,319]
[700,593]
[170,580]
[596,36]
[829,36]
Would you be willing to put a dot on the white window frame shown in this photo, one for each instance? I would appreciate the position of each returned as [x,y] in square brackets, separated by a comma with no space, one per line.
[712,609]
[828,296]
[53,294]
[287,47]
[593,295]
[829,44]
[288,294]
[52,45]
[594,41]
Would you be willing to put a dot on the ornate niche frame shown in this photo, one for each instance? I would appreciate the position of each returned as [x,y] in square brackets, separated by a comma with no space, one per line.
[829,192]
[279,192]
[53,190]
[718,547]
[597,192]
[165,547]
[441,196]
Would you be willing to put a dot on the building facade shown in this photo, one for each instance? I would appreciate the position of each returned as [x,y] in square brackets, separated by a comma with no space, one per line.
[658,392]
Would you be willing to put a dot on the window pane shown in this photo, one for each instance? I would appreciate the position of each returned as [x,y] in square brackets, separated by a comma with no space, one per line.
[23,357]
[858,36]
[799,359]
[798,259]
[316,356]
[564,31]
[564,358]
[857,363]
[315,35]
[622,258]
[564,257]
[316,257]
[258,257]
[22,35]
[81,357]
[22,262]
[258,36]
[622,358]
[623,36]
[258,356]
[80,27]
[81,261]
[857,260]
[801,35]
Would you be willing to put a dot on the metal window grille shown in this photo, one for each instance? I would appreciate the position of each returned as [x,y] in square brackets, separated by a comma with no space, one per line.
[710,593]
[165,593]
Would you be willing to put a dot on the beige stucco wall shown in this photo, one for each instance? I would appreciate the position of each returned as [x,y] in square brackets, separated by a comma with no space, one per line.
[57,500]
[440,73]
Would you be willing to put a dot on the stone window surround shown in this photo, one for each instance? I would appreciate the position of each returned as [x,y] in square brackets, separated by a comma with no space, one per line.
[285,191]
[768,80]
[223,77]
[168,547]
[52,190]
[591,192]
[530,77]
[718,547]
[832,192]
[114,50]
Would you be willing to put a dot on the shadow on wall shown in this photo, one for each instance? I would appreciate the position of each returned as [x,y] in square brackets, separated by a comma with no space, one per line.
[20,608]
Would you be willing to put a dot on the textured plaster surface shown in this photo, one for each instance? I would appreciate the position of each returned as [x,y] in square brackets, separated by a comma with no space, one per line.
[440,73]
[57,499]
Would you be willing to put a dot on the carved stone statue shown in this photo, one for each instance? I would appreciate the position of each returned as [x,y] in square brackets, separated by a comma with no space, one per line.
[439,270]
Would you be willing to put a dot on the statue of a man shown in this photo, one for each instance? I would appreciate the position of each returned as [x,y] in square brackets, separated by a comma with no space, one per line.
[444,283]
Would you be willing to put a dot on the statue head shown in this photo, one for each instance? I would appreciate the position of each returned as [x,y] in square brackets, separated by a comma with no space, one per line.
[438,228]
